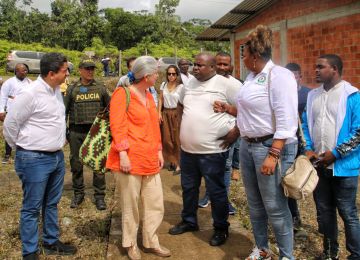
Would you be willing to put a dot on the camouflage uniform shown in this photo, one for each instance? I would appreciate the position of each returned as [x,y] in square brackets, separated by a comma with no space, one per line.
[82,104]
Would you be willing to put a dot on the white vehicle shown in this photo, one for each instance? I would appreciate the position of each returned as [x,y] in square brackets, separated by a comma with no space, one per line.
[31,59]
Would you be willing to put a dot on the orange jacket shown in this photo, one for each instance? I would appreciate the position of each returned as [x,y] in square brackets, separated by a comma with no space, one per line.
[137,131]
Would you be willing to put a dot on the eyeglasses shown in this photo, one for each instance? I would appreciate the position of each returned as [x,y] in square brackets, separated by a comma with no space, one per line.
[89,68]
[172,74]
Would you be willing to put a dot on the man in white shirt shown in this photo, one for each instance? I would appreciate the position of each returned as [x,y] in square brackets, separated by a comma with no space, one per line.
[223,68]
[36,127]
[9,90]
[204,137]
[331,124]
[184,67]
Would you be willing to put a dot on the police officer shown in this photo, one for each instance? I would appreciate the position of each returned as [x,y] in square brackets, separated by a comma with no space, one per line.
[83,100]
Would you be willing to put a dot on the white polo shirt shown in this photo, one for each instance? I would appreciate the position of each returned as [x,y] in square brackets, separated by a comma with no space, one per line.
[258,117]
[201,127]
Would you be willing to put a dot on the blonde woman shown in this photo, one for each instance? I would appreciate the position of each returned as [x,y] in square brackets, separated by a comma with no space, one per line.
[136,156]
[169,119]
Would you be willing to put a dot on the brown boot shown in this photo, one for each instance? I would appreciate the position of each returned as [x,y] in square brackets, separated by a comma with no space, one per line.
[235,175]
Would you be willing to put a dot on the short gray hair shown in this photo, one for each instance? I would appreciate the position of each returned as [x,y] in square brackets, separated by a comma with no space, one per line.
[144,65]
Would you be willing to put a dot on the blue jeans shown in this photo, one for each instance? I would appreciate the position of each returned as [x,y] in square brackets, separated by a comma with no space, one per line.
[42,177]
[231,162]
[265,195]
[211,167]
[333,193]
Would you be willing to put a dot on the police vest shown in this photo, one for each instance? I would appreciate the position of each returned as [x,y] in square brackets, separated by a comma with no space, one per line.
[85,103]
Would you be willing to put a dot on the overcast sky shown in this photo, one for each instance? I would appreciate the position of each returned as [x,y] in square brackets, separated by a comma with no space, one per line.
[187,9]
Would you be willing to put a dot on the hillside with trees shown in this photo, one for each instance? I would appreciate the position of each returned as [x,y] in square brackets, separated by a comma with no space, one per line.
[78,25]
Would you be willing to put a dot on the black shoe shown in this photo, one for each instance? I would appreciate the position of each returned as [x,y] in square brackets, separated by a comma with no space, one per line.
[76,201]
[100,204]
[32,256]
[182,227]
[171,167]
[176,172]
[219,237]
[59,248]
[6,159]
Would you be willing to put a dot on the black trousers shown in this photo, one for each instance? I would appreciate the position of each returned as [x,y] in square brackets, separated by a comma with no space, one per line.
[76,139]
[7,149]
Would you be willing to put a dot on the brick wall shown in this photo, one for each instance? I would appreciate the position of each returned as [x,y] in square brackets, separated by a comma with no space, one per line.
[305,43]
[340,36]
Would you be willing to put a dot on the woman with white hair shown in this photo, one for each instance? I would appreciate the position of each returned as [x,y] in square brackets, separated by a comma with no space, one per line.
[136,155]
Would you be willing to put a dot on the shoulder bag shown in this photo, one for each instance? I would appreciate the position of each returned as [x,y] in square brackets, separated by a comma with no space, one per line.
[95,148]
[301,178]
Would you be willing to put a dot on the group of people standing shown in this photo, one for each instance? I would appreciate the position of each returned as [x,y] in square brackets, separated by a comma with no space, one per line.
[197,121]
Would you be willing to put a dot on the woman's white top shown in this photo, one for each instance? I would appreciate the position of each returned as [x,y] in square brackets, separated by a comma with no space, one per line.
[171,97]
[258,115]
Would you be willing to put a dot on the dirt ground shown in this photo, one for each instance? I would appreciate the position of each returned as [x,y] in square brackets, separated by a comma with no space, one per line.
[88,228]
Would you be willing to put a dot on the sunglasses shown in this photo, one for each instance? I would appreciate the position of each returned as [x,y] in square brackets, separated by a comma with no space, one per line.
[172,74]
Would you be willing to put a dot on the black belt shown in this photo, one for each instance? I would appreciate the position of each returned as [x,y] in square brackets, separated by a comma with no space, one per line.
[257,139]
[19,148]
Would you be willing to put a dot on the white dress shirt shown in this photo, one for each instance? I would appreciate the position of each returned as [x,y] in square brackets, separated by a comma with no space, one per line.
[171,98]
[186,78]
[9,90]
[255,113]
[201,127]
[37,119]
[325,109]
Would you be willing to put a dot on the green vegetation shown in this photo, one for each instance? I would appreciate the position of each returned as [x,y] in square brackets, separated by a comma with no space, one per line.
[75,26]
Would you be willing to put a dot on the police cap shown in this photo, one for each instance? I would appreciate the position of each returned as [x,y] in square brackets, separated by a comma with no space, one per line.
[87,64]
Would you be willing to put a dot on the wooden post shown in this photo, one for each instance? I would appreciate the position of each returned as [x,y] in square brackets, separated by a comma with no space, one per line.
[120,62]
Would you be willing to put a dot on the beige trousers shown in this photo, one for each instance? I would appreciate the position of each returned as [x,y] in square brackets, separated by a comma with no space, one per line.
[149,190]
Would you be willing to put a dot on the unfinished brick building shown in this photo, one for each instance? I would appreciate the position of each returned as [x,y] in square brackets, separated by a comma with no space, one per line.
[303,30]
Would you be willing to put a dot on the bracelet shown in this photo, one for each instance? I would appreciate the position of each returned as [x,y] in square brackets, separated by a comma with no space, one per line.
[275,156]
[272,156]
[274,152]
[277,150]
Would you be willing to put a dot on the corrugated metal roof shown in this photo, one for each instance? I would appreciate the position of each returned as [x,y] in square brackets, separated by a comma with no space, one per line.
[220,30]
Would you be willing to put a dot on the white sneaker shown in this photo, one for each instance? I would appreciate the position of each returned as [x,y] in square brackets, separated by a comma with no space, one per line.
[259,254]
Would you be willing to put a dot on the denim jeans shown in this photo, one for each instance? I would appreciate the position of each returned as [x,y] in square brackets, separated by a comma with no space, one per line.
[231,162]
[265,195]
[211,167]
[333,193]
[42,177]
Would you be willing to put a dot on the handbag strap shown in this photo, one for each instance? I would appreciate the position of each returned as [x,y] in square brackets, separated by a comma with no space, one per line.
[127,94]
